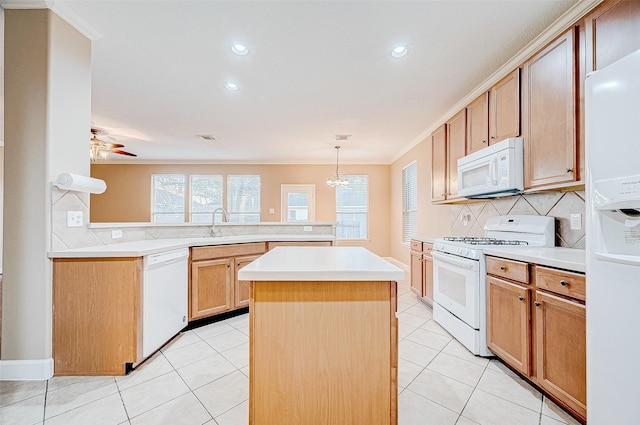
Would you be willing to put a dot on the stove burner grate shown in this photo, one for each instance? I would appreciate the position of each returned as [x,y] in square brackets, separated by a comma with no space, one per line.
[483,241]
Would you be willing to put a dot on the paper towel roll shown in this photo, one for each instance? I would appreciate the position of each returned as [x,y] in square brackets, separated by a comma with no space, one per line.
[75,182]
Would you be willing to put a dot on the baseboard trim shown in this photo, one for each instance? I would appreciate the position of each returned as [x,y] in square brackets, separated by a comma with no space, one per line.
[26,370]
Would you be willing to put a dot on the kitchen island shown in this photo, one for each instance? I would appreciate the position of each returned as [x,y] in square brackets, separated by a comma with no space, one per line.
[323,337]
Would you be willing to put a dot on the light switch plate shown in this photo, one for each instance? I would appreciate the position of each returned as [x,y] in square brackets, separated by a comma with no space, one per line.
[272,210]
[74,218]
[576,221]
[116,234]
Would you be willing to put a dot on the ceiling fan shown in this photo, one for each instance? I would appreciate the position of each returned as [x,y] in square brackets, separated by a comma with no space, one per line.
[100,149]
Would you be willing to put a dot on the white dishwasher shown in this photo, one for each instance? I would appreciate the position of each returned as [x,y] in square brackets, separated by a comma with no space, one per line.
[164,297]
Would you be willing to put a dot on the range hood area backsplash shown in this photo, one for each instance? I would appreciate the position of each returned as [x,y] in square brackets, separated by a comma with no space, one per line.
[469,219]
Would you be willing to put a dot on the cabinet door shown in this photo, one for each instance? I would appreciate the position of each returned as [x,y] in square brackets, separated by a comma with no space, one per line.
[561,349]
[456,149]
[416,272]
[612,32]
[478,123]
[504,108]
[241,289]
[508,323]
[549,114]
[427,278]
[439,164]
[211,287]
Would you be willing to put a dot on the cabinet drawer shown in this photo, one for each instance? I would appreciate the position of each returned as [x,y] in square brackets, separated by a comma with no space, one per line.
[514,270]
[415,245]
[222,251]
[427,248]
[561,282]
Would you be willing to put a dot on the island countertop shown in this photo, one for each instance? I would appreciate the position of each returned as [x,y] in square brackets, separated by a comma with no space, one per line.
[320,264]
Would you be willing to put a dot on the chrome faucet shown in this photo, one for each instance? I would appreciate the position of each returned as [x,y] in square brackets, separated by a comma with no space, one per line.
[213,219]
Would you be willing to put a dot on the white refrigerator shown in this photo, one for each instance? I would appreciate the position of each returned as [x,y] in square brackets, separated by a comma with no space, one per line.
[613,242]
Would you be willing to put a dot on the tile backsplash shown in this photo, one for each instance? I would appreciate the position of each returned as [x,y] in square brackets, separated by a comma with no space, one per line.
[469,219]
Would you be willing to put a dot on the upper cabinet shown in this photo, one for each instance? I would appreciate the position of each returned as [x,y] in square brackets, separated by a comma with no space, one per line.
[438,164]
[456,149]
[612,32]
[549,114]
[504,108]
[478,123]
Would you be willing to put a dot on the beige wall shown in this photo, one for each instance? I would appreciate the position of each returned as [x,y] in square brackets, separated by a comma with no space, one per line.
[128,194]
[433,220]
[47,118]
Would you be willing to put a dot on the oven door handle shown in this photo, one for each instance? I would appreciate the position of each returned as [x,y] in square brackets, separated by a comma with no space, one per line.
[445,258]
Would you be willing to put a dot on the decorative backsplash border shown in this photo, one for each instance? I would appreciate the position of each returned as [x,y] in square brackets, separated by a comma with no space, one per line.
[469,219]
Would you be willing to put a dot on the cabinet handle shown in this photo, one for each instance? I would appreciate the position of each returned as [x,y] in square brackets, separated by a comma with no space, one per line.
[493,137]
[537,303]
[503,268]
[228,265]
[521,298]
[568,170]
[484,141]
[564,283]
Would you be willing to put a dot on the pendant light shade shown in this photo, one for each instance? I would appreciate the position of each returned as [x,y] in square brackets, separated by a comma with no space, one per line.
[336,180]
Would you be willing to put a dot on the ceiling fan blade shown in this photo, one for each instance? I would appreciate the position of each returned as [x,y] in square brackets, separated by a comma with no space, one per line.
[120,152]
[112,145]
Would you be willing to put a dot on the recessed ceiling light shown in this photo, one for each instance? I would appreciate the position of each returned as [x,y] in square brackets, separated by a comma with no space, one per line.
[239,49]
[231,86]
[399,51]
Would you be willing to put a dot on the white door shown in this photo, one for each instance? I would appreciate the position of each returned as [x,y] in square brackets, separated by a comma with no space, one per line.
[298,202]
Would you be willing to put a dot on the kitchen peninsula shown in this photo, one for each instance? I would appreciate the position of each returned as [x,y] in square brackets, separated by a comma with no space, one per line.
[323,337]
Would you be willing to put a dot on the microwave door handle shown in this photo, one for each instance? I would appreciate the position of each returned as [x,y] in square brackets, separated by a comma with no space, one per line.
[452,260]
[493,170]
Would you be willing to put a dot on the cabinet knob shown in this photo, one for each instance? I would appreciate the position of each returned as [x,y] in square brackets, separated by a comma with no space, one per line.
[503,268]
[564,283]
[568,170]
[521,298]
[537,303]
[493,137]
[228,265]
[484,141]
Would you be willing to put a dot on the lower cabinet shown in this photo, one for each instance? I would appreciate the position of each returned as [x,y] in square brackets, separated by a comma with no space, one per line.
[422,270]
[536,323]
[213,285]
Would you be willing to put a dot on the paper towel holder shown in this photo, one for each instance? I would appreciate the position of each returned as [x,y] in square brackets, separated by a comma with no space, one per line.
[78,183]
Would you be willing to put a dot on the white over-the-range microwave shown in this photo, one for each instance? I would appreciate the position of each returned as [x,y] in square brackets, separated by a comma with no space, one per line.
[497,170]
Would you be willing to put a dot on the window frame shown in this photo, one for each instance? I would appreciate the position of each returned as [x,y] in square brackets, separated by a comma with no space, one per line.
[153,199]
[338,188]
[191,212]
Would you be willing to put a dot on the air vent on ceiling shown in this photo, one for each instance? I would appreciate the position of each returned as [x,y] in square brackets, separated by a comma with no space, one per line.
[208,137]
[342,137]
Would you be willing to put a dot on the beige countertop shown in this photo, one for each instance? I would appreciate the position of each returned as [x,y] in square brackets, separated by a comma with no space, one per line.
[562,258]
[154,246]
[321,264]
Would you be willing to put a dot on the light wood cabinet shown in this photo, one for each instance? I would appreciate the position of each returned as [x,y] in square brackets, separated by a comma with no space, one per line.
[549,117]
[478,123]
[456,149]
[536,328]
[427,273]
[561,361]
[439,164]
[508,323]
[504,108]
[612,32]
[416,272]
[213,282]
[97,315]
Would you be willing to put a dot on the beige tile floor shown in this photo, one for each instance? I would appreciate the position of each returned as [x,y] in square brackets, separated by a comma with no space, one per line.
[201,377]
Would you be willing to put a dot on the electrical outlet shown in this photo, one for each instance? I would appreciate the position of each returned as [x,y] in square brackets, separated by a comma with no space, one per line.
[307,228]
[74,218]
[116,234]
[576,221]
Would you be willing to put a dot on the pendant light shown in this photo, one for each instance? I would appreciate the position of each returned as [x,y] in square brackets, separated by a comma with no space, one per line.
[336,180]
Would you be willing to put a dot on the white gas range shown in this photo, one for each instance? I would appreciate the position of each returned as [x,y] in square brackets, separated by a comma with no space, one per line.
[459,274]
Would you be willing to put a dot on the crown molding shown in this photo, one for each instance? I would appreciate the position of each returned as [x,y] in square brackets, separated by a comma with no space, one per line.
[61,9]
[570,17]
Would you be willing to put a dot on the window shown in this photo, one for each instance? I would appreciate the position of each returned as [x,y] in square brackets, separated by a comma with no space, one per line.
[167,203]
[409,202]
[206,196]
[352,206]
[298,202]
[243,199]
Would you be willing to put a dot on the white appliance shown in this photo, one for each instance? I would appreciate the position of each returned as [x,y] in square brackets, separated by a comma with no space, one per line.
[497,170]
[164,298]
[459,274]
[613,242]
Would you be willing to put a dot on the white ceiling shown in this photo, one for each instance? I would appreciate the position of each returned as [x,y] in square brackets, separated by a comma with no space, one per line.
[315,69]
